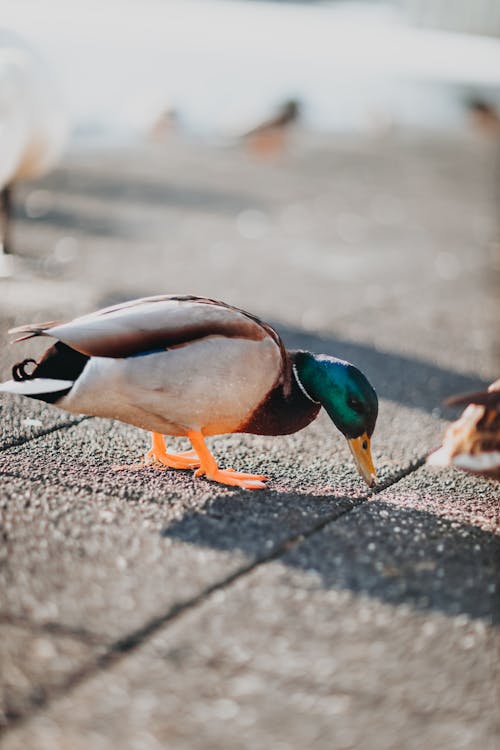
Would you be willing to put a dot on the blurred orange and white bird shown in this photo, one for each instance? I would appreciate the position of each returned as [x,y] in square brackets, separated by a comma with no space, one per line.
[268,138]
[33,122]
[472,442]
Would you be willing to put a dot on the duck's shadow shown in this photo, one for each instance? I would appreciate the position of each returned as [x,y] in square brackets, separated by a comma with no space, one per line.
[377,549]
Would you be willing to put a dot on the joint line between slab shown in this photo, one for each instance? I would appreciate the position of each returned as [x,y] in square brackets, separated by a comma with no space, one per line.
[51,628]
[55,428]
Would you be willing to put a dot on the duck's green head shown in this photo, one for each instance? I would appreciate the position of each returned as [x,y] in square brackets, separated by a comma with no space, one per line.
[348,398]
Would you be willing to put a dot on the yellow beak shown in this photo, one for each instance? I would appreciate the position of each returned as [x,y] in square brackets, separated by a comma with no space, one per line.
[360,449]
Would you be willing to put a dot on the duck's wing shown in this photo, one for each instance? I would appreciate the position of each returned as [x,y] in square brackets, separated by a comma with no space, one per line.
[153,323]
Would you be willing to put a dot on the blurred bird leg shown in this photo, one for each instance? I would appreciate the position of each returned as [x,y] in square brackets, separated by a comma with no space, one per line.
[5,214]
[269,138]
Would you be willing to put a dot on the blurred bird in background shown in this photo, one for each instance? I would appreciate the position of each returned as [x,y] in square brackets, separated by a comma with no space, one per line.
[33,127]
[165,125]
[269,138]
[472,442]
[484,116]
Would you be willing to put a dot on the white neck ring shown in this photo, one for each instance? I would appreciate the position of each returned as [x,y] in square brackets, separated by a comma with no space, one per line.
[301,386]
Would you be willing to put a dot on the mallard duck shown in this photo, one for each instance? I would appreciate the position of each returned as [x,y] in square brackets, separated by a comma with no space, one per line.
[268,138]
[484,116]
[472,442]
[195,367]
[165,125]
[33,123]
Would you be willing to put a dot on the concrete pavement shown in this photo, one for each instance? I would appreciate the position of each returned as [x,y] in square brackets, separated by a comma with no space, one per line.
[147,609]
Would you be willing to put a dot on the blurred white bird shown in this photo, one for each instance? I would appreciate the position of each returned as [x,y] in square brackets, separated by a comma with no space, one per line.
[33,124]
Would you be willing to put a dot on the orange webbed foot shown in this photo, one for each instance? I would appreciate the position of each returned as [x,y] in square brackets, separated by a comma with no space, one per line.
[234,478]
[209,468]
[158,454]
[184,460]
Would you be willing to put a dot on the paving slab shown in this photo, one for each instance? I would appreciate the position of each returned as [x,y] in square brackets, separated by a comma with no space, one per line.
[130,568]
[61,490]
[380,650]
[148,542]
[319,631]
[452,494]
[126,575]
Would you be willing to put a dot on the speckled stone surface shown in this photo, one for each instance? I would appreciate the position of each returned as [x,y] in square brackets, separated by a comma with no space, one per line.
[290,657]
[34,662]
[146,609]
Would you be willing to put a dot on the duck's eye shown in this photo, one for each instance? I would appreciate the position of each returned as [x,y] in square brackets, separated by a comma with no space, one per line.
[354,404]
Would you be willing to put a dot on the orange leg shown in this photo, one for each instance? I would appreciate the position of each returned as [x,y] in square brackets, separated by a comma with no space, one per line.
[158,453]
[185,460]
[209,468]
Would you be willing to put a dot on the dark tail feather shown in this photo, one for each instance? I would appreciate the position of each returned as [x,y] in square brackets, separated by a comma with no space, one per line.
[483,398]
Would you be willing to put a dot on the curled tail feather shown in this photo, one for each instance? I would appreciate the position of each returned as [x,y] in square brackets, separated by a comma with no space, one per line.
[32,329]
[19,370]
